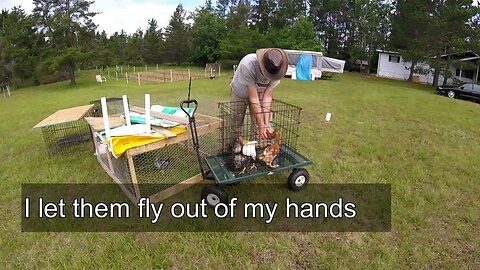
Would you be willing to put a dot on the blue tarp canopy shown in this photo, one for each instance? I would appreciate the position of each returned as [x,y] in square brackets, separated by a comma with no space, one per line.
[304,66]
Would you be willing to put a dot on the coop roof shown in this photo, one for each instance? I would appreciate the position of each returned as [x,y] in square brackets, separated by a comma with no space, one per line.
[65,115]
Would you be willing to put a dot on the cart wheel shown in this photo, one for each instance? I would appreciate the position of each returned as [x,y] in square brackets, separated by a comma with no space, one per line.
[298,179]
[213,195]
[209,175]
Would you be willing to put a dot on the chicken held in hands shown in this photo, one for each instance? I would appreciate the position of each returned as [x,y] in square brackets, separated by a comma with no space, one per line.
[271,152]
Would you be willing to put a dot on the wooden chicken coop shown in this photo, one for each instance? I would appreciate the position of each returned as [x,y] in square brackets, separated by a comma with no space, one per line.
[160,169]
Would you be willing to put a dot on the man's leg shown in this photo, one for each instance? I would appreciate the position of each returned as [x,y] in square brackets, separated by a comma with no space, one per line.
[254,135]
[234,129]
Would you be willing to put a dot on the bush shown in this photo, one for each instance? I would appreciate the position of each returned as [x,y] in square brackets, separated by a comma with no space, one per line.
[58,76]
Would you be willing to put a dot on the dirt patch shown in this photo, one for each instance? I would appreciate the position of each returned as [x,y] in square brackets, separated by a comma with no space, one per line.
[164,76]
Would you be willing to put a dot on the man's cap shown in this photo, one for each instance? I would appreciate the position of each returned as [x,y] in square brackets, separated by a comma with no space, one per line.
[273,63]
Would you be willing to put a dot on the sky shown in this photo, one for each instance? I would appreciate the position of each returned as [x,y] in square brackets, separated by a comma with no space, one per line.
[129,15]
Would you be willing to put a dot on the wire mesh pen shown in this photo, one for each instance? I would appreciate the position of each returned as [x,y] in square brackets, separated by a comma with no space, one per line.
[239,121]
[245,155]
[160,169]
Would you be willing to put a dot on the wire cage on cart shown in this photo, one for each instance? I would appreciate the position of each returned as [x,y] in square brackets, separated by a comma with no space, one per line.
[244,156]
[160,169]
[239,128]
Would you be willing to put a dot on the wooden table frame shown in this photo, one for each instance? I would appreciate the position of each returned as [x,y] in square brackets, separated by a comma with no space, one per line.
[205,124]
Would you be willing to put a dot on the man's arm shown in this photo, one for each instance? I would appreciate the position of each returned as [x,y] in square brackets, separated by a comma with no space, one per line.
[267,105]
[257,110]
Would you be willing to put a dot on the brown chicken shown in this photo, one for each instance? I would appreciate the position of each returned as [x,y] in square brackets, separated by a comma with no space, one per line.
[271,152]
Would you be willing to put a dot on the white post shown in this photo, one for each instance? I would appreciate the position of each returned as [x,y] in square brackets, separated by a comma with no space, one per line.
[147,113]
[126,110]
[106,124]
[211,72]
[116,75]
[138,75]
[8,89]
[126,76]
[171,76]
[189,75]
[157,67]
[476,76]
[219,70]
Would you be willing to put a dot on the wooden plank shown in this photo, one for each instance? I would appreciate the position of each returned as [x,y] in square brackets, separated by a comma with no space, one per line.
[133,174]
[96,123]
[65,115]
[115,178]
[161,115]
[164,194]
[165,132]
[208,119]
[109,158]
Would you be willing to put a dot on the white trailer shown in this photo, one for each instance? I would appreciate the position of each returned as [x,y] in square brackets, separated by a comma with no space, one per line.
[322,66]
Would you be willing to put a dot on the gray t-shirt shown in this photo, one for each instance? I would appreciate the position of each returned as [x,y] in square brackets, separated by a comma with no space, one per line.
[248,73]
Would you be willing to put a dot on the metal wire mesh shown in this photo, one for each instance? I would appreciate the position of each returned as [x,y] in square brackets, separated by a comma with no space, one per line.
[238,121]
[158,169]
[209,145]
[64,138]
[114,106]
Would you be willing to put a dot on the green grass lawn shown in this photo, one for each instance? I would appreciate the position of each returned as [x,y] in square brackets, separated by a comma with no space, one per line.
[382,131]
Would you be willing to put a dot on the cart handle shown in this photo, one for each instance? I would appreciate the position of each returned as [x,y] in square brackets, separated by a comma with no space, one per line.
[188,102]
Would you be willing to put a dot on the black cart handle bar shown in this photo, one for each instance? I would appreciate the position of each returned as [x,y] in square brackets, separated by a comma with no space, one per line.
[188,102]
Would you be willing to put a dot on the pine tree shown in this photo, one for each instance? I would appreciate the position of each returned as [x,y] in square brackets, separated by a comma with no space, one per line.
[207,31]
[153,43]
[452,32]
[178,36]
[19,47]
[412,41]
[263,11]
[134,49]
[69,28]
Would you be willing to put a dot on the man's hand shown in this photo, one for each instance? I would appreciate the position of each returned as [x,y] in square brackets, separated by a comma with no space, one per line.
[271,133]
[266,133]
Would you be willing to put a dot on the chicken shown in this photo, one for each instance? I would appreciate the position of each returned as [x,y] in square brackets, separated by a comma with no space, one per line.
[244,154]
[249,150]
[238,145]
[271,152]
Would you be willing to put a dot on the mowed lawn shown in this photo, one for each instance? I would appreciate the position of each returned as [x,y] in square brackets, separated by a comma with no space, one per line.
[382,131]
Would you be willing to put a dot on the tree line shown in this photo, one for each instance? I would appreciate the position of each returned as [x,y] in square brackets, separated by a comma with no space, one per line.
[59,36]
